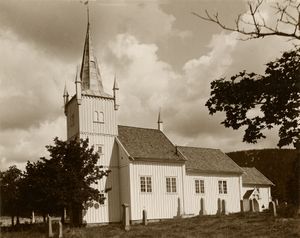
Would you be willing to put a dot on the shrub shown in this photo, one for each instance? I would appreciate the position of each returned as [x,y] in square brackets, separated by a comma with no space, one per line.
[287,210]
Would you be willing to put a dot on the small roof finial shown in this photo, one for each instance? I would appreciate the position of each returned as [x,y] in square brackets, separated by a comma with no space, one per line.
[87,10]
[116,86]
[159,116]
[66,91]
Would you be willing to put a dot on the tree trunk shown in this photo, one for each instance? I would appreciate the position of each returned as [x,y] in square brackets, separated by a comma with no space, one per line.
[298,174]
[76,215]
[18,220]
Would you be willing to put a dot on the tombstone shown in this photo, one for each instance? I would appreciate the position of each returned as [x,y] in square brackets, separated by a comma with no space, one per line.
[242,205]
[202,207]
[276,202]
[50,233]
[145,221]
[219,206]
[60,234]
[32,217]
[179,208]
[272,208]
[126,223]
[223,211]
[251,205]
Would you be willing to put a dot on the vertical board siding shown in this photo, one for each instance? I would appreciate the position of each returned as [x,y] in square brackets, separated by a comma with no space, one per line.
[91,104]
[264,193]
[211,193]
[159,204]
[124,177]
[110,211]
[102,133]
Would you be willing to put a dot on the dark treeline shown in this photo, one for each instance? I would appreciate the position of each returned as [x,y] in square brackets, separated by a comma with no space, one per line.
[279,165]
[49,186]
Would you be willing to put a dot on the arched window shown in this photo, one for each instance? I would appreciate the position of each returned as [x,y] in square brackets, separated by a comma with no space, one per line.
[101,117]
[96,116]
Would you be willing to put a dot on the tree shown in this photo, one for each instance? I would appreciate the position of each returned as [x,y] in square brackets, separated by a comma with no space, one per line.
[275,96]
[252,24]
[276,93]
[10,193]
[77,172]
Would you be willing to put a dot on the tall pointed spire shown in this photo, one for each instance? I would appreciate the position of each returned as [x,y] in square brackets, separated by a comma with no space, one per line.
[90,73]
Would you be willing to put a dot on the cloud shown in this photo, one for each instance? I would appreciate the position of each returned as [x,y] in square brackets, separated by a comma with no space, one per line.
[31,84]
[17,145]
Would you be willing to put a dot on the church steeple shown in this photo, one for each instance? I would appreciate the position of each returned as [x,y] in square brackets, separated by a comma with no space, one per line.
[90,73]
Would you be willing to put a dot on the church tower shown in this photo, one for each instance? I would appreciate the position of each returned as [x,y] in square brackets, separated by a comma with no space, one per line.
[91,113]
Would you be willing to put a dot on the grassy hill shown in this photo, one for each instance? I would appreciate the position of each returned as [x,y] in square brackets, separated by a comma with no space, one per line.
[276,164]
[235,225]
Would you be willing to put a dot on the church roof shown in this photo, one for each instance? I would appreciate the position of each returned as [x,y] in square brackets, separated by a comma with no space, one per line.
[254,177]
[90,72]
[148,144]
[248,194]
[208,160]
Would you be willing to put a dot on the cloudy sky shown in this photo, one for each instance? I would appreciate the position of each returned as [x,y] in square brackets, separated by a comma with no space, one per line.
[163,56]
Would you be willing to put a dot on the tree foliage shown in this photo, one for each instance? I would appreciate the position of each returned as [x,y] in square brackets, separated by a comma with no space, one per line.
[67,179]
[11,197]
[259,102]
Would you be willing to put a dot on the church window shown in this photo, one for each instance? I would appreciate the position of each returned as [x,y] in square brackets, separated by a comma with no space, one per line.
[222,187]
[99,149]
[171,185]
[98,117]
[102,199]
[146,184]
[199,186]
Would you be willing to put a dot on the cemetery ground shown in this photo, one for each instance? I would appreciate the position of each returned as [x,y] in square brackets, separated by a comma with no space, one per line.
[235,225]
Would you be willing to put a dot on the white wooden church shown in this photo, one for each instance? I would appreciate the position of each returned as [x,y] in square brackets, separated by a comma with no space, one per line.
[148,172]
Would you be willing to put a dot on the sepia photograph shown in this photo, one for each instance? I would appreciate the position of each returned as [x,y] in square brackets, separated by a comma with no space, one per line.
[149,118]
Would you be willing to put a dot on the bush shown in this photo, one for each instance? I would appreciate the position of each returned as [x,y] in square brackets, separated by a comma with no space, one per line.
[287,210]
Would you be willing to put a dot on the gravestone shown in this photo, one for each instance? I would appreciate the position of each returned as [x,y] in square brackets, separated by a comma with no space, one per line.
[202,207]
[219,207]
[242,205]
[126,223]
[272,208]
[145,221]
[223,211]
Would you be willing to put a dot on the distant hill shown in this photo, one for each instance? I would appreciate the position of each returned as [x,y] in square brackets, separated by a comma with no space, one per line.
[276,164]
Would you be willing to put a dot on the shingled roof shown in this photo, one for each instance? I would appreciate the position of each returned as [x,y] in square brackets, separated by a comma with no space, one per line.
[208,160]
[147,144]
[254,177]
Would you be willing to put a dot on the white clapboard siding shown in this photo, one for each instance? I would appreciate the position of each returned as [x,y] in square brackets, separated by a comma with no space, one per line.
[86,111]
[124,177]
[99,133]
[211,193]
[110,211]
[264,195]
[159,204]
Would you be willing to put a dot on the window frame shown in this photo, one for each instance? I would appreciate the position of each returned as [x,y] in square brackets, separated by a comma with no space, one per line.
[98,117]
[148,186]
[200,189]
[171,184]
[223,187]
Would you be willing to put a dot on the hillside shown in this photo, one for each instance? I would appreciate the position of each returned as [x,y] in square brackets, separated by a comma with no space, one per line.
[276,164]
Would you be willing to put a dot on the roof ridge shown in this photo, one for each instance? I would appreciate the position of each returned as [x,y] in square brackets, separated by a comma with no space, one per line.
[137,127]
[198,147]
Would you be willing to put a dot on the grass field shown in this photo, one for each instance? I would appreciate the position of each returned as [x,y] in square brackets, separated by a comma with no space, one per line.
[238,225]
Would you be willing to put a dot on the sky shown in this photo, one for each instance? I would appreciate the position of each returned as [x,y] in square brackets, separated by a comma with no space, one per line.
[163,56]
